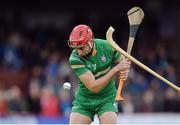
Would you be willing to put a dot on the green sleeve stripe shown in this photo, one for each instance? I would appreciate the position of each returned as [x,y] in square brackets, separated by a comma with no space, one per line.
[102,72]
[80,71]
[117,60]
[77,66]
[117,57]
[117,54]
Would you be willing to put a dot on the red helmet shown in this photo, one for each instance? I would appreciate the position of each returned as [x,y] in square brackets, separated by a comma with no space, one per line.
[80,36]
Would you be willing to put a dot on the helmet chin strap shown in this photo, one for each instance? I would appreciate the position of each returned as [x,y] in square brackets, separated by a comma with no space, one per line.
[90,45]
[90,52]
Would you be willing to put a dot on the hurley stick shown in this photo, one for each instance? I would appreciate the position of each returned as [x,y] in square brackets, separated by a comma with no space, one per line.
[135,17]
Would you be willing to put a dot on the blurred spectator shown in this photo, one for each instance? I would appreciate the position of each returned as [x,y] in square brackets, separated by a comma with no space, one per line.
[162,56]
[127,105]
[34,97]
[49,103]
[16,101]
[170,103]
[52,68]
[11,56]
[170,73]
[65,102]
[3,104]
[64,69]
[138,85]
[148,101]
[38,75]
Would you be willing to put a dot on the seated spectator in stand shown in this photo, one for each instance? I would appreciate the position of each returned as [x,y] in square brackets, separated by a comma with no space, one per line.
[65,102]
[49,103]
[16,101]
[3,104]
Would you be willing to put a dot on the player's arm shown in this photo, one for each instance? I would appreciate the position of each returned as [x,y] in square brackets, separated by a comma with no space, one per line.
[117,59]
[95,85]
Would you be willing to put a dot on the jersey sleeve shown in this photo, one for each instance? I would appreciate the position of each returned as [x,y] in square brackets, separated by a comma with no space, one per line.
[117,56]
[77,66]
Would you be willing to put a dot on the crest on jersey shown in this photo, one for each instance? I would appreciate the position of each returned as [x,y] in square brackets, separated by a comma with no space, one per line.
[103,58]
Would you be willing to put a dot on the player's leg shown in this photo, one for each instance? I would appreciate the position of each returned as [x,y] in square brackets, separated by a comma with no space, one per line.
[108,118]
[77,118]
[107,112]
[81,113]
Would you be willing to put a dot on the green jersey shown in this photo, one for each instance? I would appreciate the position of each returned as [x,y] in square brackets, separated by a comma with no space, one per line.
[99,65]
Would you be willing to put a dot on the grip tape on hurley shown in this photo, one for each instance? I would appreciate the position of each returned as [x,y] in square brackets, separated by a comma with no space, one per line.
[133,30]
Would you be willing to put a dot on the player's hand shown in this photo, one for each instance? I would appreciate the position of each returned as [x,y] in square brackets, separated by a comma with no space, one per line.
[123,67]
[123,74]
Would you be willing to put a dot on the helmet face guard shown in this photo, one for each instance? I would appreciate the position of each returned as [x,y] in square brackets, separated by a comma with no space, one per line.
[78,44]
[80,36]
